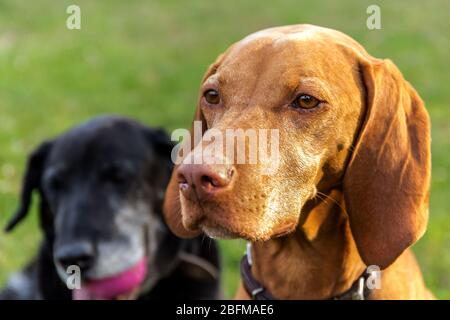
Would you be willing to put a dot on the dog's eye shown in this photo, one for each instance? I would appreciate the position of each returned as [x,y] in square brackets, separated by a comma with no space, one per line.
[114,174]
[55,179]
[56,182]
[212,96]
[305,101]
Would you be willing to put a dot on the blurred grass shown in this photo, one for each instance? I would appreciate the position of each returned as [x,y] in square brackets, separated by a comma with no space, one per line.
[145,59]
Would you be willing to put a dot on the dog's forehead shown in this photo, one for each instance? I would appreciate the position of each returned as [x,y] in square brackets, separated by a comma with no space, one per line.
[280,59]
[299,33]
[277,35]
[294,44]
[101,142]
[311,50]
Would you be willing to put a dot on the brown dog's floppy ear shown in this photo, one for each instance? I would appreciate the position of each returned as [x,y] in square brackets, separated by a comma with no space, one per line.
[31,181]
[172,204]
[386,186]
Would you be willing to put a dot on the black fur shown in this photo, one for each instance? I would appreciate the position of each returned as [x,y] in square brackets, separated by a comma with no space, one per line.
[82,184]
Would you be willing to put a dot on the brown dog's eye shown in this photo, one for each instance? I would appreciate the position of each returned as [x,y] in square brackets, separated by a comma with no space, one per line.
[212,96]
[305,101]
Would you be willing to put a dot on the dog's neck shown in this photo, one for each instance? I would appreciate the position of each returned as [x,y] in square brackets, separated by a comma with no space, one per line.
[318,261]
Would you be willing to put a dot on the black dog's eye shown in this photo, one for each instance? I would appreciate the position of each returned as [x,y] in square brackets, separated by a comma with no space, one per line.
[212,96]
[56,182]
[55,179]
[305,101]
[114,174]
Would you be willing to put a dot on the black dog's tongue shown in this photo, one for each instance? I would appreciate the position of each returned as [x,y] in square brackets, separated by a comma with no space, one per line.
[121,285]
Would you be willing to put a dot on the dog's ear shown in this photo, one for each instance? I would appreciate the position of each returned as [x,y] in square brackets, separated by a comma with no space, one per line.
[386,185]
[172,205]
[31,182]
[159,141]
[161,167]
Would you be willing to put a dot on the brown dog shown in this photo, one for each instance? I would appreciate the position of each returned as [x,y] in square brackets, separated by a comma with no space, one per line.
[351,189]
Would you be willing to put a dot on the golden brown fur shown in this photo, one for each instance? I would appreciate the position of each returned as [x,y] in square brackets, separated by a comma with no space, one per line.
[352,186]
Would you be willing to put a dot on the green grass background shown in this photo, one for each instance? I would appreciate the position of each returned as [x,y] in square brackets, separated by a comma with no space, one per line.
[145,59]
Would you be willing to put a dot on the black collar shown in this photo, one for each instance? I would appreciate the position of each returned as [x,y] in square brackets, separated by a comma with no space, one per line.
[358,291]
[251,285]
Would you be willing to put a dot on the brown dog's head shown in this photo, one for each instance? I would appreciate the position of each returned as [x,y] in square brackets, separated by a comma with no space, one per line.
[344,119]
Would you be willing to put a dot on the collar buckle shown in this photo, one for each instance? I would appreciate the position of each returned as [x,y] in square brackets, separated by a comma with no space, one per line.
[256,291]
[248,253]
[358,294]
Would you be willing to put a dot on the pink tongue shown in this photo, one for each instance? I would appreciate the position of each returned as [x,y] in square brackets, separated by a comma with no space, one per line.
[110,288]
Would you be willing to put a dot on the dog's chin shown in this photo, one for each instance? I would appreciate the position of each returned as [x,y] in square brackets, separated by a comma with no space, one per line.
[224,231]
[194,220]
[218,232]
[218,226]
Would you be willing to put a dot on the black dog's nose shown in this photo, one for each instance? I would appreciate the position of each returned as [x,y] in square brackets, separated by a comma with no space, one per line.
[80,253]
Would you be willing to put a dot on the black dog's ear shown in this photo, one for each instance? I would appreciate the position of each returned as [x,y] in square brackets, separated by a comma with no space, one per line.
[160,141]
[31,181]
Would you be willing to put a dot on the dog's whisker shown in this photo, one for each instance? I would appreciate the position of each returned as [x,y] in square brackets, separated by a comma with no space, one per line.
[325,197]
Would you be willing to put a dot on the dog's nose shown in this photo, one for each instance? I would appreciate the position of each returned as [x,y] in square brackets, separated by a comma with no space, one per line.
[80,253]
[204,178]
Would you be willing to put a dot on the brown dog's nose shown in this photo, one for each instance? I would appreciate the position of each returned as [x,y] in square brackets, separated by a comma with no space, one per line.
[205,179]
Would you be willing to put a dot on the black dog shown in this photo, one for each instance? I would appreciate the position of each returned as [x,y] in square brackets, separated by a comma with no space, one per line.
[101,188]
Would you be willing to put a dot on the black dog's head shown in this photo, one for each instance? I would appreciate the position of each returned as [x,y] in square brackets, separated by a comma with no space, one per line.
[101,187]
